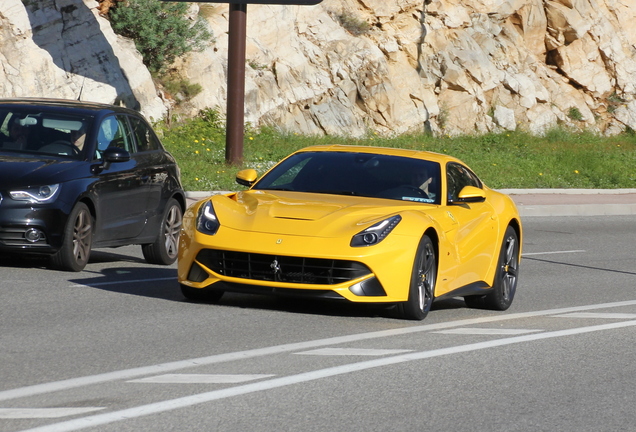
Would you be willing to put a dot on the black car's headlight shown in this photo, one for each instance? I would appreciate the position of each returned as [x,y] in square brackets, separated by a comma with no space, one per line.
[207,222]
[376,232]
[37,194]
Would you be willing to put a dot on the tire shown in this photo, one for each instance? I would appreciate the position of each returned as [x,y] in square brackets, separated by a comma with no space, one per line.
[76,242]
[165,249]
[505,284]
[201,294]
[422,286]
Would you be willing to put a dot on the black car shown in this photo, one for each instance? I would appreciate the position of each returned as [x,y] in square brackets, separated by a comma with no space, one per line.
[76,176]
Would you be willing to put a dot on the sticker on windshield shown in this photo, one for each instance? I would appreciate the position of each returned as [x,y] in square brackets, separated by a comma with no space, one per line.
[416,199]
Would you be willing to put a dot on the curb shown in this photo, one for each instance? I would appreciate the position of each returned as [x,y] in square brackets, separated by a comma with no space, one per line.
[567,191]
[584,210]
[573,202]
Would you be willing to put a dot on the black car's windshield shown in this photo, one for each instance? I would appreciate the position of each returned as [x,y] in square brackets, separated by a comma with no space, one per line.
[45,133]
[360,174]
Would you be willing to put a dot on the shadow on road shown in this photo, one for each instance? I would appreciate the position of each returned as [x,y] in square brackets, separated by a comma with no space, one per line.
[161,283]
[42,261]
[317,306]
[580,266]
[152,281]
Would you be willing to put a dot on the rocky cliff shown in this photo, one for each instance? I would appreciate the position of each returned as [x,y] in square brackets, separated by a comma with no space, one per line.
[65,49]
[354,67]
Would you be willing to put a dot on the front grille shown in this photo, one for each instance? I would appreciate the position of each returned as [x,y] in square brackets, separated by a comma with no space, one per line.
[275,268]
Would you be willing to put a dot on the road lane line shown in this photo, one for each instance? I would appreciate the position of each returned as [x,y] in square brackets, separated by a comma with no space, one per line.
[598,315]
[353,352]
[43,413]
[486,331]
[163,368]
[188,401]
[201,378]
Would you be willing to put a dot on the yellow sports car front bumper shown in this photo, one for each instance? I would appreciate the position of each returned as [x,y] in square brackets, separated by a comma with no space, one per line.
[302,264]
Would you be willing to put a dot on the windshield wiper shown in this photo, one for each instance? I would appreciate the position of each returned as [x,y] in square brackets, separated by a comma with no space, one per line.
[335,192]
[276,189]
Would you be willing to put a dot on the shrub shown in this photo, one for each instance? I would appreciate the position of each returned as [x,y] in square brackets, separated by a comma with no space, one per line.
[161,30]
[352,24]
[180,88]
[614,101]
[575,114]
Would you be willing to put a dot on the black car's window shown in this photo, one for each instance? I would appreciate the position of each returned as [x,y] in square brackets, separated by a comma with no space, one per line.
[114,132]
[361,174]
[459,176]
[146,139]
[43,132]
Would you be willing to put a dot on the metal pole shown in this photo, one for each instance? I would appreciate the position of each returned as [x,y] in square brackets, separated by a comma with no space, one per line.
[236,85]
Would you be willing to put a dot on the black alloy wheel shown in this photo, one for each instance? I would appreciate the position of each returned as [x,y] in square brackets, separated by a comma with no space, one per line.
[423,280]
[77,240]
[165,249]
[504,286]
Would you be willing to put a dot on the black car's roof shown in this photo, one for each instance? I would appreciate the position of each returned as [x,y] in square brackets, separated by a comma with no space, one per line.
[67,104]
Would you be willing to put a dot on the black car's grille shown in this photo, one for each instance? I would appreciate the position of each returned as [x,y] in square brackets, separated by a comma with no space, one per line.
[277,268]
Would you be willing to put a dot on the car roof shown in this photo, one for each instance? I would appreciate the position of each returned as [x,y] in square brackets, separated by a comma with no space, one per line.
[389,151]
[85,106]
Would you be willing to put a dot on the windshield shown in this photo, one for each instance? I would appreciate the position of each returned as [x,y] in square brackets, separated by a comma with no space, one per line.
[41,132]
[360,174]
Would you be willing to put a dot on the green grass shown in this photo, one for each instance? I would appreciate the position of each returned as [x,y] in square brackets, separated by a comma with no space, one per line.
[560,159]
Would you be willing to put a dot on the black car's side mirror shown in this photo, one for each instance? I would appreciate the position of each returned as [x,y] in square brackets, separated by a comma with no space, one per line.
[111,155]
[116,154]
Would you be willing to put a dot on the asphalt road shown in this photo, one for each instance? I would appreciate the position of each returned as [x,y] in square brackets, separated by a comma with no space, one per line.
[117,348]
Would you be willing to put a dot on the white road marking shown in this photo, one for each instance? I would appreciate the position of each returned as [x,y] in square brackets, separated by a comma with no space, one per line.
[551,253]
[486,331]
[169,405]
[200,378]
[597,315]
[353,352]
[38,389]
[40,413]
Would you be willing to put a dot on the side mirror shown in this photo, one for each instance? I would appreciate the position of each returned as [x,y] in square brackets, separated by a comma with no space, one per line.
[111,155]
[116,154]
[471,194]
[246,177]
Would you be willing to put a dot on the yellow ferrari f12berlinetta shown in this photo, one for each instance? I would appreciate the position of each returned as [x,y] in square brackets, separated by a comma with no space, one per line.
[363,224]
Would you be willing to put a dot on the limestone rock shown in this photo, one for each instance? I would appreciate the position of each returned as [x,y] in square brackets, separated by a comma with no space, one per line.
[357,67]
[64,49]
[505,118]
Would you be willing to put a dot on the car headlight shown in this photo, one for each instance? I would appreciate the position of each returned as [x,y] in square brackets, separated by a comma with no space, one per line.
[207,222]
[37,194]
[376,232]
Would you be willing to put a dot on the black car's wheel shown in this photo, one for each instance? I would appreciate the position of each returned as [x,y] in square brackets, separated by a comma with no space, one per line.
[77,241]
[505,283]
[165,249]
[201,294]
[423,279]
